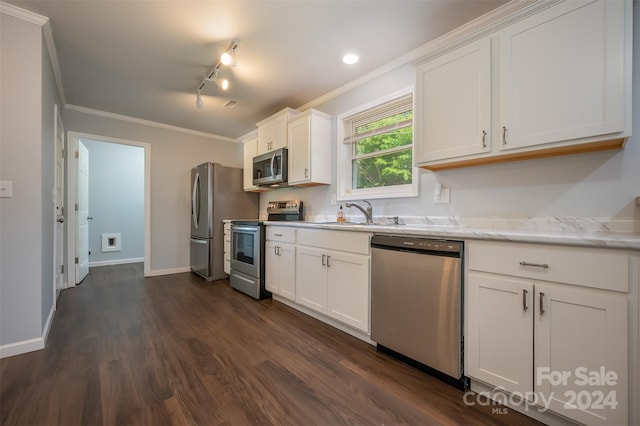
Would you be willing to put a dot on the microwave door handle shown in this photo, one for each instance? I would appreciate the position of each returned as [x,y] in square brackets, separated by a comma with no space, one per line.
[273,159]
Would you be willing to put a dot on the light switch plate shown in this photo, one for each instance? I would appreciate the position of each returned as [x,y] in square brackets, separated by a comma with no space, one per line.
[6,189]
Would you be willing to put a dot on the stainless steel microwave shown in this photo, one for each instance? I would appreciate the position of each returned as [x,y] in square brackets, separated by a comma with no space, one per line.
[271,168]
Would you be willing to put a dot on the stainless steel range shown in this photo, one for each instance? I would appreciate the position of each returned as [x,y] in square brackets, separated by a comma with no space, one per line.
[247,247]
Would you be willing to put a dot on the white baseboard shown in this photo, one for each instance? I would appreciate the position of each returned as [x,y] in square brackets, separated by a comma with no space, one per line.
[31,345]
[116,262]
[158,272]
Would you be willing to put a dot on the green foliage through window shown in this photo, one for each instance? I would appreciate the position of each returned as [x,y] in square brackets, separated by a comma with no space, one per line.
[382,154]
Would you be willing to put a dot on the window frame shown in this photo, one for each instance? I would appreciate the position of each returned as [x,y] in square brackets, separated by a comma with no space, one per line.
[344,163]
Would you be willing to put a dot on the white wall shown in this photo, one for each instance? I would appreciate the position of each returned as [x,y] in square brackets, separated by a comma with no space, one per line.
[116,199]
[586,185]
[173,153]
[26,159]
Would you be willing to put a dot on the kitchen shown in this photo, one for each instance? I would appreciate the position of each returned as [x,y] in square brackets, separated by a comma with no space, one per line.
[596,185]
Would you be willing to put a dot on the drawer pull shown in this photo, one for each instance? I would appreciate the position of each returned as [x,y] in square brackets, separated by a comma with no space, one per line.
[535,265]
[504,135]
[541,304]
[524,301]
[324,260]
[484,139]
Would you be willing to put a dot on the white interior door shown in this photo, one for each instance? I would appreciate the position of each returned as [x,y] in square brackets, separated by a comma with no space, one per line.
[58,238]
[82,222]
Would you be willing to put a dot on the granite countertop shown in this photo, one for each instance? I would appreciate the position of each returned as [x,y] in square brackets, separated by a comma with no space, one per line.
[584,232]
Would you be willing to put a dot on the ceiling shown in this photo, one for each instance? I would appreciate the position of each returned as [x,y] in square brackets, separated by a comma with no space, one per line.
[145,58]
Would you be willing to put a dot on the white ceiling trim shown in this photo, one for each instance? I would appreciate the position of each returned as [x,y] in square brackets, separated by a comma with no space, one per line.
[141,121]
[53,57]
[479,27]
[25,15]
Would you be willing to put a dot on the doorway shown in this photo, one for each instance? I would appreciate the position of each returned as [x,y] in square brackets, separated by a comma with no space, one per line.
[74,182]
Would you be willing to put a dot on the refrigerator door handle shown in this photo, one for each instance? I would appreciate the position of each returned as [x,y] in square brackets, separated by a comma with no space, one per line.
[195,200]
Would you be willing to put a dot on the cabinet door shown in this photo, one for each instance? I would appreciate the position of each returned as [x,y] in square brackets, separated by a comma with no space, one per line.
[453,104]
[272,268]
[287,258]
[499,343]
[279,132]
[578,331]
[311,278]
[561,74]
[265,138]
[299,141]
[250,151]
[348,289]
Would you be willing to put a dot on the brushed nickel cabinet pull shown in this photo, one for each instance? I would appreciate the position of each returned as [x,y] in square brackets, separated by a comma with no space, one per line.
[524,301]
[504,135]
[535,265]
[541,304]
[484,139]
[329,261]
[278,235]
[324,260]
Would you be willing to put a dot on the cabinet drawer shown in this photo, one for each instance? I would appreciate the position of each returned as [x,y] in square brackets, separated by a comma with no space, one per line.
[281,233]
[586,267]
[354,242]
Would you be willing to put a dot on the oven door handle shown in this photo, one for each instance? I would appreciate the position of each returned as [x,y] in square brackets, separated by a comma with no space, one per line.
[244,228]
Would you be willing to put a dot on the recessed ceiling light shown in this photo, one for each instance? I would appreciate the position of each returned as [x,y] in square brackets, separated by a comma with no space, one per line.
[350,58]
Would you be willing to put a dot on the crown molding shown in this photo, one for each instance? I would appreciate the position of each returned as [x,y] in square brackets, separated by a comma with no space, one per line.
[480,27]
[25,15]
[55,64]
[143,122]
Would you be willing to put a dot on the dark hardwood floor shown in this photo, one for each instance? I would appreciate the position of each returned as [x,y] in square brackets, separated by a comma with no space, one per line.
[176,350]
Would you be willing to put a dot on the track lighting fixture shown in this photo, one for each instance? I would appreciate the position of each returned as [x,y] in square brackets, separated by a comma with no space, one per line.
[199,102]
[227,58]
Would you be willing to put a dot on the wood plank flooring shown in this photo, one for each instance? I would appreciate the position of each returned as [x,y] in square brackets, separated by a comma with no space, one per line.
[176,350]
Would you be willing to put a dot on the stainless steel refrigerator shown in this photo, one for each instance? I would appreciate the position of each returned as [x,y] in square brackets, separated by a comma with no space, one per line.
[216,194]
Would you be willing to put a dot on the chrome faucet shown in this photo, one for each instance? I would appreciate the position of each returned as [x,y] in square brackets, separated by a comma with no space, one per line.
[368,214]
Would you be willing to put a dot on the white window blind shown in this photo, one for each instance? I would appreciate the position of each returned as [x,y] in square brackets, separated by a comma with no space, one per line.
[365,124]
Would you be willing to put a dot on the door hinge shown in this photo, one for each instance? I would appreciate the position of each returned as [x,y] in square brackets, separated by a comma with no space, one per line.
[76,206]
[77,260]
[62,269]
[77,155]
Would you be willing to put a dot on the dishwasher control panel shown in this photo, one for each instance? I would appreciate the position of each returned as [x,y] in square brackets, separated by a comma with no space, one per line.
[416,243]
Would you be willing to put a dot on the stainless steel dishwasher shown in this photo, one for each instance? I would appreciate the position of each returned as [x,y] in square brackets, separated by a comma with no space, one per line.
[416,300]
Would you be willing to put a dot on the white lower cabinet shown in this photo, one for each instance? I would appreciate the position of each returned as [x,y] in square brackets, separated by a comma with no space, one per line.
[280,259]
[281,276]
[227,248]
[334,282]
[562,346]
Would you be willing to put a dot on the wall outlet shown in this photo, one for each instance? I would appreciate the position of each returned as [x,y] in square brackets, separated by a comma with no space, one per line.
[333,199]
[441,194]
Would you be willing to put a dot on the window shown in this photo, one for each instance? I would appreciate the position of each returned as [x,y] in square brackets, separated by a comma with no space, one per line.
[375,148]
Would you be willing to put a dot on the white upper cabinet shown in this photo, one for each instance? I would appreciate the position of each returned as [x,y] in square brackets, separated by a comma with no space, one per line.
[454,105]
[272,132]
[309,136]
[250,148]
[553,82]
[561,74]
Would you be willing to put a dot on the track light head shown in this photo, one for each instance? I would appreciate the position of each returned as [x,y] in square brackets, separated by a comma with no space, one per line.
[199,103]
